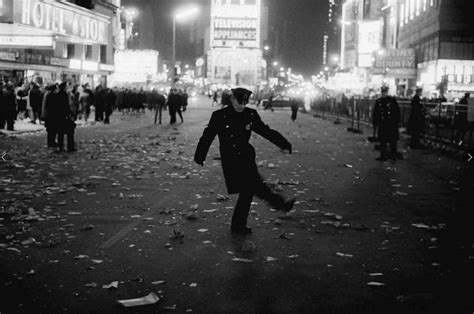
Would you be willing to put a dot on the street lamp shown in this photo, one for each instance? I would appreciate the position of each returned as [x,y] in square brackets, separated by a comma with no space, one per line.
[180,15]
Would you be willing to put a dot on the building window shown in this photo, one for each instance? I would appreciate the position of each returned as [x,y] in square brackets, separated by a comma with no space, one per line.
[418,7]
[424,5]
[251,2]
[103,54]
[70,51]
[88,52]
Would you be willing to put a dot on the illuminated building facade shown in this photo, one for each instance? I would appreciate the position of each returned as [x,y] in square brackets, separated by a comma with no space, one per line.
[370,50]
[332,35]
[235,55]
[442,35]
[47,41]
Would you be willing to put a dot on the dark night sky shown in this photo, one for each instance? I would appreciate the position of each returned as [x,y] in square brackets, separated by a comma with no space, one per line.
[305,19]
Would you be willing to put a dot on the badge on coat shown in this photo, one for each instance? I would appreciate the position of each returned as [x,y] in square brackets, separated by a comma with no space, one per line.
[247,127]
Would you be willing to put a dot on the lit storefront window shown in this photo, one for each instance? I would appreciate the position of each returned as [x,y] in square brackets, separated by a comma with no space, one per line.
[412,9]
[418,7]
[424,4]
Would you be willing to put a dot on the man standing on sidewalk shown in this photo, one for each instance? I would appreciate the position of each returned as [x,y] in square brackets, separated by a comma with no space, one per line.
[7,106]
[416,122]
[386,116]
[36,99]
[233,125]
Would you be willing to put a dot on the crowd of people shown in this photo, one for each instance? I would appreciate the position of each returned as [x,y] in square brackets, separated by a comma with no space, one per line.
[58,106]
[26,101]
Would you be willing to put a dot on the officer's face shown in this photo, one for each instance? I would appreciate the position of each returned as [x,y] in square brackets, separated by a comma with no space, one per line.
[239,106]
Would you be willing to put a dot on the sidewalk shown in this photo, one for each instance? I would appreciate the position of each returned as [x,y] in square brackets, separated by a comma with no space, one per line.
[26,127]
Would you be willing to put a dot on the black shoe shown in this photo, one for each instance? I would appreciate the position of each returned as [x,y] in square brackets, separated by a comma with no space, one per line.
[72,150]
[288,205]
[381,158]
[241,230]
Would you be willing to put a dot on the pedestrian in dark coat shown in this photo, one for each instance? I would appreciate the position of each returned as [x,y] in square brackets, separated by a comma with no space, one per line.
[58,118]
[174,101]
[416,121]
[99,97]
[159,103]
[295,105]
[233,125]
[185,101]
[86,100]
[109,103]
[47,105]
[36,100]
[386,117]
[180,105]
[7,106]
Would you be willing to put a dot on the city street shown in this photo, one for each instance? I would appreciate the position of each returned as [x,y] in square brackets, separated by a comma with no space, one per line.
[130,213]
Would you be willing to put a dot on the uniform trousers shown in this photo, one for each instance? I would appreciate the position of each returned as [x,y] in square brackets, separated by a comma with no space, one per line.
[262,191]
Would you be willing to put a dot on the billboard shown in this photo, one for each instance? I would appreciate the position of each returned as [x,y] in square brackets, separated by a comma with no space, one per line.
[235,24]
[61,18]
[395,59]
[370,36]
[235,66]
[135,65]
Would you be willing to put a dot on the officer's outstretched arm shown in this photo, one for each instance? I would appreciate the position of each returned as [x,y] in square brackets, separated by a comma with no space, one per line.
[205,141]
[273,136]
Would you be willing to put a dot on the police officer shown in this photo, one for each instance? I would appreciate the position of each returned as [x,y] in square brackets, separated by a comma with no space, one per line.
[385,117]
[233,125]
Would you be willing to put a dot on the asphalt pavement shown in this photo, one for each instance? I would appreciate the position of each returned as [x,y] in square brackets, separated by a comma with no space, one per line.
[130,215]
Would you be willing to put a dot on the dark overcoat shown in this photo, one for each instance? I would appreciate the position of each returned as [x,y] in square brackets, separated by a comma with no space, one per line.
[416,122]
[237,155]
[58,111]
[386,116]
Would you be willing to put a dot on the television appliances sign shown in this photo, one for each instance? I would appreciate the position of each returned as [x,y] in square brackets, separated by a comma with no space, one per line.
[235,24]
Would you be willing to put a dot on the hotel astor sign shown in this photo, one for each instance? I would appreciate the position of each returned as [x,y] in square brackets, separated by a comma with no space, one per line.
[62,18]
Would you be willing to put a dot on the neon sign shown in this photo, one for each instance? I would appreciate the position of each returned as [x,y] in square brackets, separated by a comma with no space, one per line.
[63,19]
[235,25]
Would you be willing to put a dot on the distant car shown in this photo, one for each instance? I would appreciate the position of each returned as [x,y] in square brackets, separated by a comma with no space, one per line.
[442,113]
[279,101]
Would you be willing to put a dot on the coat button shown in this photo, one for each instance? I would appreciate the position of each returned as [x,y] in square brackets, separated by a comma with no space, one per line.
[227,126]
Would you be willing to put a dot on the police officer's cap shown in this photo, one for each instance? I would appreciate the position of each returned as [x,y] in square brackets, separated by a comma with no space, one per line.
[241,94]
